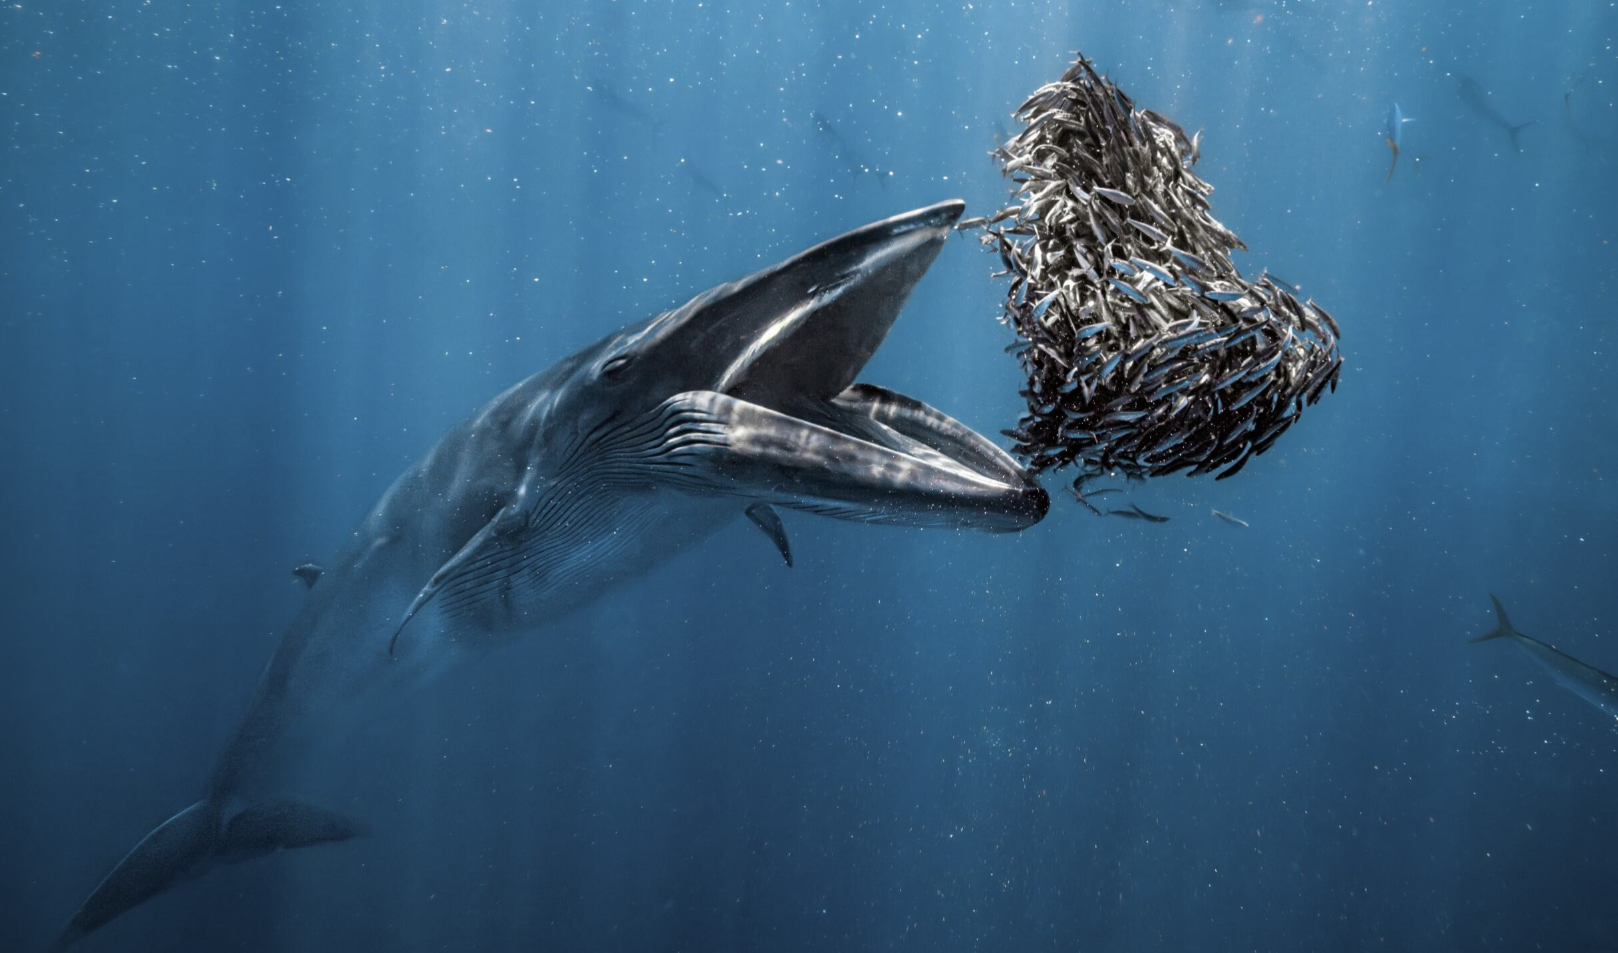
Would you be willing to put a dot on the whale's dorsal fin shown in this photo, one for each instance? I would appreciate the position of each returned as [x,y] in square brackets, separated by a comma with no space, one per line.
[767,519]
[309,573]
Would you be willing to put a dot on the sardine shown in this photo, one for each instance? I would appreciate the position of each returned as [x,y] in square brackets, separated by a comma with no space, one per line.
[1128,290]
[1136,513]
[1148,230]
[1114,195]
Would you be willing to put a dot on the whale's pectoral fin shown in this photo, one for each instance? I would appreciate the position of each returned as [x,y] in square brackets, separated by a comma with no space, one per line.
[767,519]
[193,841]
[853,467]
[479,565]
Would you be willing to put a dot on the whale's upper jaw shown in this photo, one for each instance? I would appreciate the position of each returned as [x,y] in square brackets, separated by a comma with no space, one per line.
[838,302]
[802,328]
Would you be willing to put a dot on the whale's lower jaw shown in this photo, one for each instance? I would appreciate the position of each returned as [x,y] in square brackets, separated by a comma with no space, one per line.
[870,456]
[650,488]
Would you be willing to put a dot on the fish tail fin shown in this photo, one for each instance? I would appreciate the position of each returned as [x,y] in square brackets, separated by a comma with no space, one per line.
[1502,627]
[1514,130]
[1394,162]
[194,841]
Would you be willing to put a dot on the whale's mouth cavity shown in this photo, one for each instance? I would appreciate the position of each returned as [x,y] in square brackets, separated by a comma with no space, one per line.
[816,319]
[795,426]
[803,361]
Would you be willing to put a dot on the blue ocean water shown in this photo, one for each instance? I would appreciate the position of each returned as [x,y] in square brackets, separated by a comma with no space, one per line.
[258,257]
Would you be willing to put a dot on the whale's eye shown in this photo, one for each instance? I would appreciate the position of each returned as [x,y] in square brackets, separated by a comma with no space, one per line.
[615,364]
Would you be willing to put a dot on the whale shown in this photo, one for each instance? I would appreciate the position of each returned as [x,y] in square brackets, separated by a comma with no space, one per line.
[739,403]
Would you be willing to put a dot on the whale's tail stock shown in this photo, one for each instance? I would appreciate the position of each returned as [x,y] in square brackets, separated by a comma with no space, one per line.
[203,836]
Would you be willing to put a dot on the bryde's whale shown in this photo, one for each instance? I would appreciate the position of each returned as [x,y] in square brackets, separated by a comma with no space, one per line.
[584,475]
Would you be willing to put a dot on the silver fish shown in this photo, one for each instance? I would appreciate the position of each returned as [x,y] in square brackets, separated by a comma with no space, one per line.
[1148,230]
[1122,198]
[1156,271]
[1223,292]
[1189,260]
[1128,290]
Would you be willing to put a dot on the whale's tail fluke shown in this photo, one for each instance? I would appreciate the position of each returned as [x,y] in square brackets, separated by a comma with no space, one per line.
[196,840]
[1502,628]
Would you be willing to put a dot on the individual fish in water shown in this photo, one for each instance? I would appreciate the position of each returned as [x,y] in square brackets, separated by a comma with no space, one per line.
[1477,100]
[1136,513]
[1279,282]
[1084,498]
[1001,137]
[1589,683]
[1234,521]
[851,158]
[1597,148]
[1393,132]
[586,475]
[624,106]
[700,179]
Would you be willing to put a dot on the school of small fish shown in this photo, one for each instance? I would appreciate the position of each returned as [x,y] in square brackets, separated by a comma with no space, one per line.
[1146,351]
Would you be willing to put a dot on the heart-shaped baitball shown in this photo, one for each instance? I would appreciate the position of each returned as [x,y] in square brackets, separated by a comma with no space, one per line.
[1146,351]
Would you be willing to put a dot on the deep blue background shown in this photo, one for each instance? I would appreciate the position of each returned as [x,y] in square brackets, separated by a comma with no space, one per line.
[257,256]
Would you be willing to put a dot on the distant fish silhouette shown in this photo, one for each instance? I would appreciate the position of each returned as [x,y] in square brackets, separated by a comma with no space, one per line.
[1596,148]
[624,106]
[1589,683]
[700,179]
[1477,100]
[1394,134]
[852,159]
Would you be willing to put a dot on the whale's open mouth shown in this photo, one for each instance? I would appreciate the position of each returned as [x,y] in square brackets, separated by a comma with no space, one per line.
[761,405]
[784,420]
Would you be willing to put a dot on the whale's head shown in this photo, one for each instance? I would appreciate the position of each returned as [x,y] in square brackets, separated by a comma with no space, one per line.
[746,393]
[749,389]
